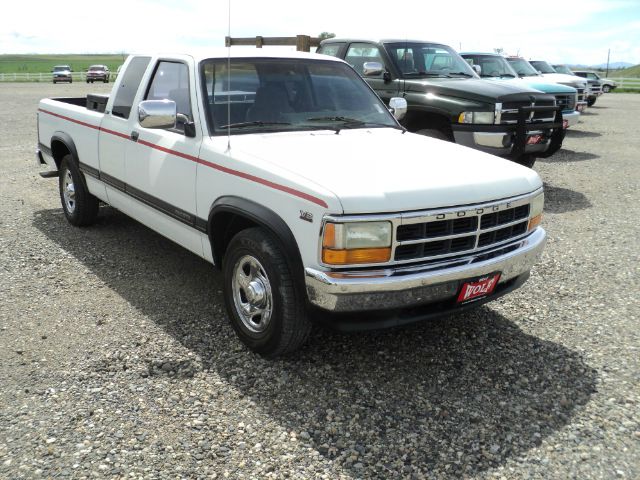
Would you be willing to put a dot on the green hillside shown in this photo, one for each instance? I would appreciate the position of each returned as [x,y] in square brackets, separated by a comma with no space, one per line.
[44,63]
[628,72]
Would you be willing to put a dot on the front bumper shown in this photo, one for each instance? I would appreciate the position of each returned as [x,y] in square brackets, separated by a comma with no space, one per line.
[406,287]
[512,140]
[571,117]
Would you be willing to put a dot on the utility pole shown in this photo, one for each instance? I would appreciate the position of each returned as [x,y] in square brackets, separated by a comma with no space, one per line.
[608,54]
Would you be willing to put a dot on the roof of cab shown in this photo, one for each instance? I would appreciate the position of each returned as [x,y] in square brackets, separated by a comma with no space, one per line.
[242,52]
[378,40]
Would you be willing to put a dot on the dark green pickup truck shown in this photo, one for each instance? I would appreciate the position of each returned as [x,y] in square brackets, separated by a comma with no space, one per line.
[447,100]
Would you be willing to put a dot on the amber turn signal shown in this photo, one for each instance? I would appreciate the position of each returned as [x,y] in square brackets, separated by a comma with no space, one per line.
[535,221]
[357,255]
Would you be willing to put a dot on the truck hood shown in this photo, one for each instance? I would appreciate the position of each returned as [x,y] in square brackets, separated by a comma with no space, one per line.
[564,79]
[534,82]
[470,88]
[383,170]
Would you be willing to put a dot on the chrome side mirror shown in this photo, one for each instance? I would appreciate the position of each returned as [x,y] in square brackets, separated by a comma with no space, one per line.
[372,69]
[157,114]
[398,106]
[477,69]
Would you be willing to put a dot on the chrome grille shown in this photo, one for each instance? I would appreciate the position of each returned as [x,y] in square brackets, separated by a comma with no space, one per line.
[460,231]
[509,114]
[567,102]
[580,94]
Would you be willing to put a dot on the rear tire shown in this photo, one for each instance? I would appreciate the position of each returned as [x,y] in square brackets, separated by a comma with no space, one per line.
[265,307]
[80,207]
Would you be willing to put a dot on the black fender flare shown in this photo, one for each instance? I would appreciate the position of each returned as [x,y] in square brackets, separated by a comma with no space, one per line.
[68,142]
[70,145]
[261,216]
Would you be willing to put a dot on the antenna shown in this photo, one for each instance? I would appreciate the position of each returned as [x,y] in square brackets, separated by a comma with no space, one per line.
[229,82]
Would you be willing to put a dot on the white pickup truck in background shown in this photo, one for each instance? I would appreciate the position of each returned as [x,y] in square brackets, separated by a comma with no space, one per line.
[292,176]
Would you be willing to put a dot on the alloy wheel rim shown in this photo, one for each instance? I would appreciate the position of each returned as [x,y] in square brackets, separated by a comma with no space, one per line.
[252,294]
[69,192]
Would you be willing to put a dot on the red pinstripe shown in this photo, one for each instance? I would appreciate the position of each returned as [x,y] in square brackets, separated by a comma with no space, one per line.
[230,171]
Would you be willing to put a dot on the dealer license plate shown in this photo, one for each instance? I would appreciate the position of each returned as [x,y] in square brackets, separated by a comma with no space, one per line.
[479,288]
[534,139]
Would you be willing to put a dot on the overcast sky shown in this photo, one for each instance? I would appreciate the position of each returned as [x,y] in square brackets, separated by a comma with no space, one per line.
[567,31]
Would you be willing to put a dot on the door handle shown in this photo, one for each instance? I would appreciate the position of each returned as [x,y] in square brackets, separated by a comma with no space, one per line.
[134,136]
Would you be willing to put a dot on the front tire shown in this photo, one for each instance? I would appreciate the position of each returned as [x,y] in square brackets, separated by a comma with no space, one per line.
[591,102]
[434,133]
[606,88]
[527,160]
[80,207]
[265,307]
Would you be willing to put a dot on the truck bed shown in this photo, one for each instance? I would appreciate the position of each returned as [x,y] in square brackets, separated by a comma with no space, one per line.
[93,101]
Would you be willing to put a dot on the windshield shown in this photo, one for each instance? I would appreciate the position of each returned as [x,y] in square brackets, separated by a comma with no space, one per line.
[563,69]
[414,59]
[491,66]
[60,69]
[543,67]
[96,68]
[522,67]
[289,94]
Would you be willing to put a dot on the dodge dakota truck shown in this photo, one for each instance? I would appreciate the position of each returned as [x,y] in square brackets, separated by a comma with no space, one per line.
[292,177]
[447,100]
[494,67]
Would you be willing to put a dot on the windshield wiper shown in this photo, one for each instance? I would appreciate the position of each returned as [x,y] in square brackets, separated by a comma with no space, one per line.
[256,123]
[464,74]
[427,74]
[507,75]
[351,122]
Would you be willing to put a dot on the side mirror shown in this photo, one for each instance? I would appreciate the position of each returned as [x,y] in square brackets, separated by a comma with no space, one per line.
[372,69]
[157,114]
[477,69]
[398,107]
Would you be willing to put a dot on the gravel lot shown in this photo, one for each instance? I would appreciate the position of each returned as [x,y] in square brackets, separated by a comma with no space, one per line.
[116,359]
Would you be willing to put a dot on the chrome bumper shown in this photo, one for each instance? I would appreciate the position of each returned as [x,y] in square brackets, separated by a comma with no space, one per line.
[406,287]
[571,118]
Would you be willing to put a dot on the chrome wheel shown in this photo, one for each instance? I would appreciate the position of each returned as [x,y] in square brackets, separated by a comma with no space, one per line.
[69,192]
[252,294]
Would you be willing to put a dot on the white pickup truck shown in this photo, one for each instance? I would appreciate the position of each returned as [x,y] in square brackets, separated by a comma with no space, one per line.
[289,174]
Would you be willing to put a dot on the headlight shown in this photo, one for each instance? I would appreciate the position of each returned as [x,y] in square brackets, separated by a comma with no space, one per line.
[477,117]
[535,215]
[356,242]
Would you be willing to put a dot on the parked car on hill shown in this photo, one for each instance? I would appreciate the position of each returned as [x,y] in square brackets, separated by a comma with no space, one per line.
[447,100]
[62,73]
[492,66]
[287,172]
[98,73]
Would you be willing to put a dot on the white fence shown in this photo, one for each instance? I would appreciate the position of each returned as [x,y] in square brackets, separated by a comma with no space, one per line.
[628,83]
[44,77]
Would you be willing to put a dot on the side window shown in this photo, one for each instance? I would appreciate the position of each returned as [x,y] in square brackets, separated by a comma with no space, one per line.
[129,86]
[361,53]
[330,49]
[171,82]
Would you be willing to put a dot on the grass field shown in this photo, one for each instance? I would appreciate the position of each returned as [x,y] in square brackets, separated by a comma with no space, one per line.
[44,63]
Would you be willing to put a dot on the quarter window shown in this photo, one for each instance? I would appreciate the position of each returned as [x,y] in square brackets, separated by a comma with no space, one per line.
[129,86]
